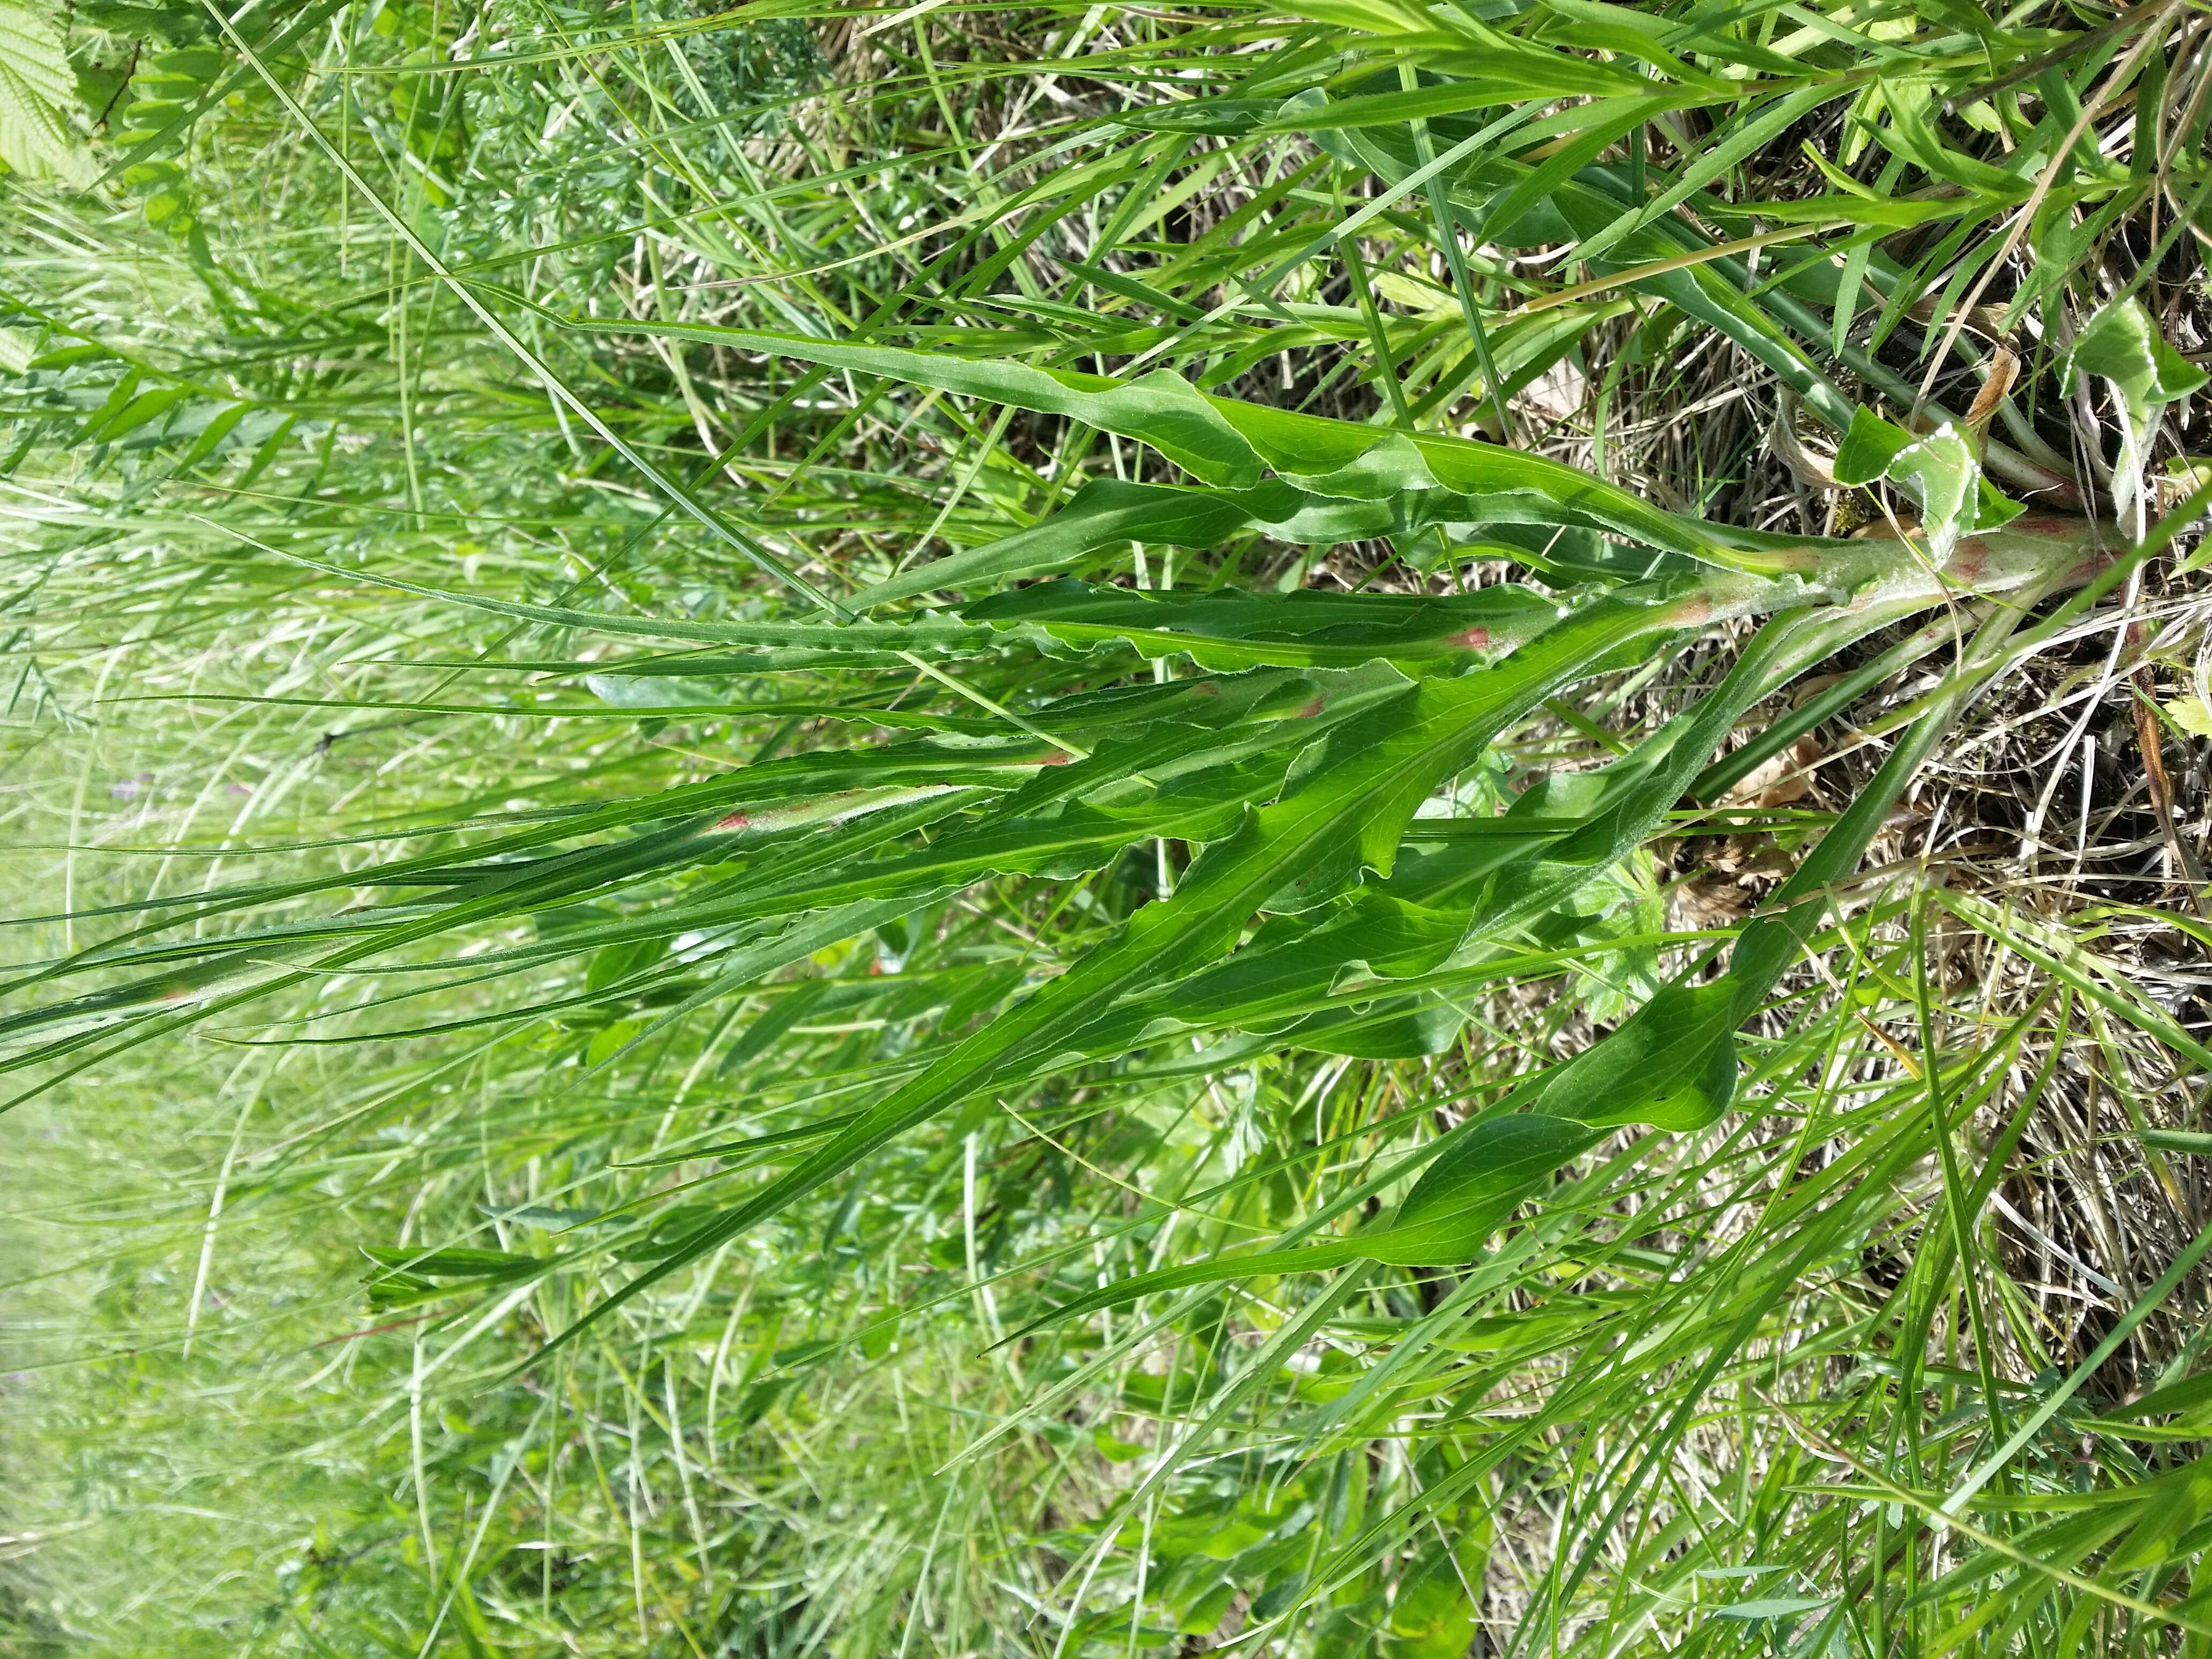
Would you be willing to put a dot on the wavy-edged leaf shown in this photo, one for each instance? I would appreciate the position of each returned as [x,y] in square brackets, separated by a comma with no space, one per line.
[1234,442]
[1307,629]
[1939,470]
[2122,346]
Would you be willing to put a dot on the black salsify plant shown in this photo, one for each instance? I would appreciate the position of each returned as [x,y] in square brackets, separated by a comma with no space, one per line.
[1319,854]
[1296,763]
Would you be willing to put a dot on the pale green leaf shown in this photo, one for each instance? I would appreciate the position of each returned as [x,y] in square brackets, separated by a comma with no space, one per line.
[1938,470]
[37,89]
[2121,345]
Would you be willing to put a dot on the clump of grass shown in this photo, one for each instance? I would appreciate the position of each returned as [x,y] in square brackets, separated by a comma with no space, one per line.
[1329,830]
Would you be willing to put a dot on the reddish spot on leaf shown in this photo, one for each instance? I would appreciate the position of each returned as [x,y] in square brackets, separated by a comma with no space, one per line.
[1475,639]
[1693,609]
[1312,708]
[735,821]
[1058,758]
[2094,561]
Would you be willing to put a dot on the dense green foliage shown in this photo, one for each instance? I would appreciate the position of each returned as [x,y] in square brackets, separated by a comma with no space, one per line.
[1077,830]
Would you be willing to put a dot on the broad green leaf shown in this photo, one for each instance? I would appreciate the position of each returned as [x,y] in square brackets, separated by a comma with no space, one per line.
[1293,968]
[1070,842]
[1160,408]
[1108,513]
[1105,513]
[455,1262]
[2122,346]
[1396,108]
[1939,470]
[1232,630]
[1909,103]
[1223,440]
